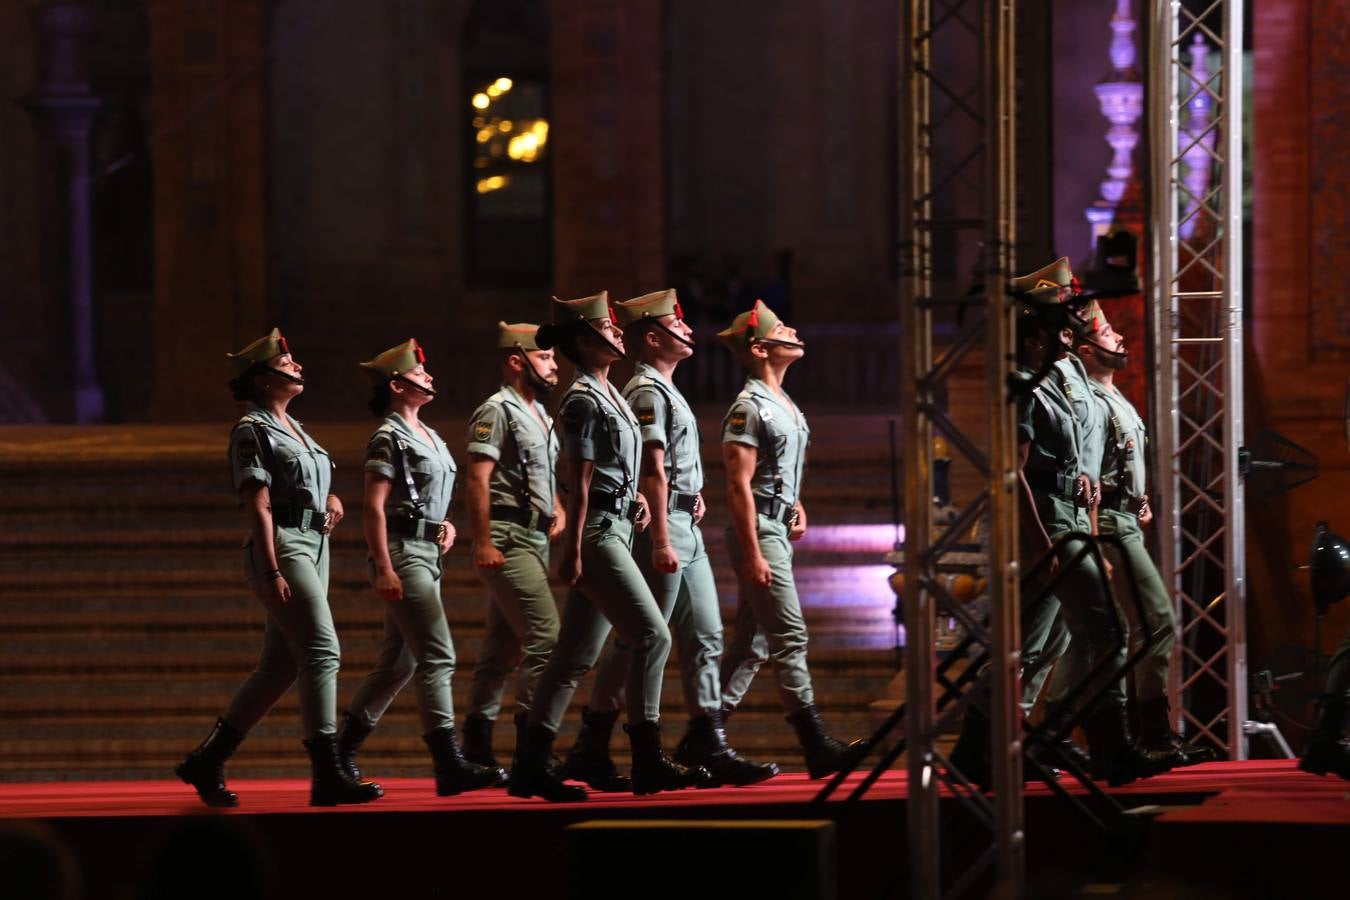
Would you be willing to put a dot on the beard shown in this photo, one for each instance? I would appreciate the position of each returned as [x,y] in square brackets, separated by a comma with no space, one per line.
[537,383]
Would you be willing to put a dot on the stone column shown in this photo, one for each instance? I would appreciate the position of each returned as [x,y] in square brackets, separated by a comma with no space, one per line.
[608,148]
[208,117]
[64,107]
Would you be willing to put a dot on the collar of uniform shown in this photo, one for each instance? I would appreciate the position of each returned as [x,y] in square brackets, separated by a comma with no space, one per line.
[271,421]
[589,382]
[403,427]
[647,370]
[760,389]
[510,395]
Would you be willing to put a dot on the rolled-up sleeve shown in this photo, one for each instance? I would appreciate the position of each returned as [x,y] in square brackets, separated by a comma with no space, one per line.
[380,455]
[487,431]
[580,421]
[651,411]
[741,424]
[246,460]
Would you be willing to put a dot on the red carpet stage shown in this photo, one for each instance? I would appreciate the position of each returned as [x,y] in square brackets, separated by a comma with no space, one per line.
[1241,827]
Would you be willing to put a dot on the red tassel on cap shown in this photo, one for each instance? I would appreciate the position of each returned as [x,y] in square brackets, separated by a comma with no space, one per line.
[613,318]
[753,321]
[679,313]
[281,342]
[417,348]
[1076,288]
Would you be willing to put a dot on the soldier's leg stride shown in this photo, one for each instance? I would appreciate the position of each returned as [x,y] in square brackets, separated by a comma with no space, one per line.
[589,761]
[824,754]
[454,773]
[204,767]
[705,744]
[653,771]
[531,773]
[352,733]
[477,740]
[330,784]
[1328,751]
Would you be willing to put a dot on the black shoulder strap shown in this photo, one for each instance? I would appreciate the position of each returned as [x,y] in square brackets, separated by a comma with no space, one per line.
[525,495]
[266,449]
[401,452]
[773,450]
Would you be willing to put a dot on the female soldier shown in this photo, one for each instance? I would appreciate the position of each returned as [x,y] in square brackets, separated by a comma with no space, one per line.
[282,477]
[601,442]
[410,476]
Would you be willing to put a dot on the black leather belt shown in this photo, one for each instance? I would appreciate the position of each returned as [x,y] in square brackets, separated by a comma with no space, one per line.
[777,510]
[1117,500]
[617,504]
[683,502]
[415,529]
[1060,483]
[530,518]
[301,517]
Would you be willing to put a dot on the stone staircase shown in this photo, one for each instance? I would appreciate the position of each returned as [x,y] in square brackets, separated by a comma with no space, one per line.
[125,624]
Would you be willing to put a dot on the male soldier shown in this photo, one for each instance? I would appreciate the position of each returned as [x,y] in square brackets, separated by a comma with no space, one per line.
[670,552]
[1122,512]
[515,513]
[764,438]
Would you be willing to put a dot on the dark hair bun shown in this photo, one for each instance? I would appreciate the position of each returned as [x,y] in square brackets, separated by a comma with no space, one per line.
[546,338]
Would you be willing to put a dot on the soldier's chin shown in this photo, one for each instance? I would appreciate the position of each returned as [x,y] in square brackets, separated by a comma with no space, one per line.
[1117,361]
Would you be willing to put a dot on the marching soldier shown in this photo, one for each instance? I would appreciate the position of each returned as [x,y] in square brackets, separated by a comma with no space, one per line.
[601,442]
[670,551]
[1122,513]
[409,481]
[515,513]
[283,478]
[764,439]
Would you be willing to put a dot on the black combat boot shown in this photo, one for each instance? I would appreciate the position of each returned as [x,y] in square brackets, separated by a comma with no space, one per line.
[330,785]
[1058,752]
[653,771]
[705,744]
[454,773]
[204,768]
[1160,744]
[531,774]
[478,741]
[825,755]
[352,733]
[970,755]
[588,761]
[1116,760]
[1328,751]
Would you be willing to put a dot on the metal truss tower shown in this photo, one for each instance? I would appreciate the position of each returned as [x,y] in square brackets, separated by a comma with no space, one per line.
[1197,329]
[957,203]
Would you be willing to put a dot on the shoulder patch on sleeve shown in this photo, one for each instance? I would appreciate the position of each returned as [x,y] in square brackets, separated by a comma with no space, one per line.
[646,415]
[482,430]
[736,422]
[246,449]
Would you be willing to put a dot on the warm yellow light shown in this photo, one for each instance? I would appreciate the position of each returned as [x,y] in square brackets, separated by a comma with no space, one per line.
[505,125]
[492,183]
[479,121]
[485,135]
[503,84]
[493,92]
[481,101]
[540,127]
[524,147]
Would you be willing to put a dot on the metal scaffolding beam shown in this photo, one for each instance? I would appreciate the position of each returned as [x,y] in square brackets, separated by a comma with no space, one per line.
[967,208]
[1197,323]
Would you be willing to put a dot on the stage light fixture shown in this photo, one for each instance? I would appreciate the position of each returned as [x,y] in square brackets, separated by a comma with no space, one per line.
[1329,563]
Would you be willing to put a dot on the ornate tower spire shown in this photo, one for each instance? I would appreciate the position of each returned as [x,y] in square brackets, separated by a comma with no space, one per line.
[1121,95]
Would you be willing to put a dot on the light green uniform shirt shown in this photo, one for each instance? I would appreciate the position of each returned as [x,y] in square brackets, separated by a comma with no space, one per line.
[778,429]
[598,426]
[1126,438]
[298,473]
[504,429]
[396,445]
[666,420]
[1077,388]
[1046,422]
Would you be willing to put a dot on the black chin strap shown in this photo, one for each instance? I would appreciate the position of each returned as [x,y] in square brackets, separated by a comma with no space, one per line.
[537,381]
[288,376]
[670,331]
[408,381]
[613,347]
[780,343]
